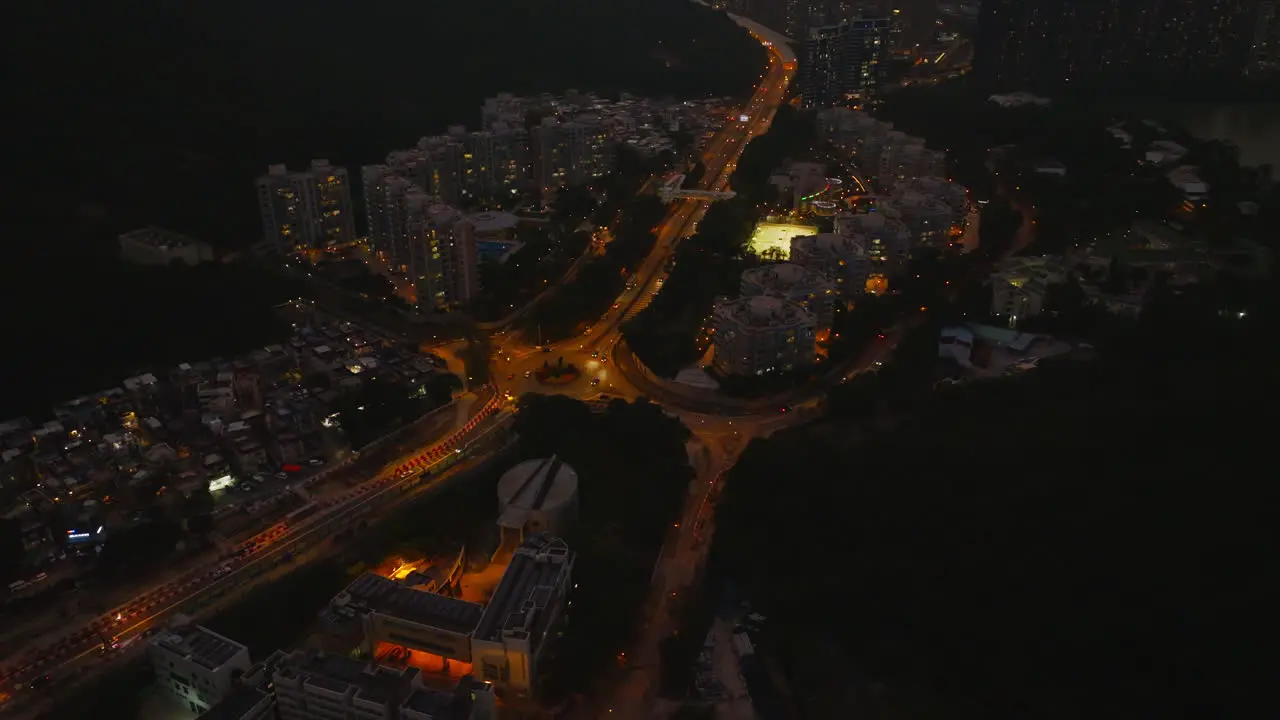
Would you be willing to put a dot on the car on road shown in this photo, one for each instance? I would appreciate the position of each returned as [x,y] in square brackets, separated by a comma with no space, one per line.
[595,382]
[528,373]
[511,376]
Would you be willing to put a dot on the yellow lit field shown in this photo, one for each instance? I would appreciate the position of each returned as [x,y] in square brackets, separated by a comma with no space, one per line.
[769,235]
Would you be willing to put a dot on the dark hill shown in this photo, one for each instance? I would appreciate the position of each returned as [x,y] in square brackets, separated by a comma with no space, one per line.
[155,111]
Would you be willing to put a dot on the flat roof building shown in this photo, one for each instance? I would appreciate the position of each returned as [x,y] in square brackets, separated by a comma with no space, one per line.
[395,613]
[156,246]
[503,640]
[522,614]
[243,702]
[755,335]
[791,281]
[319,686]
[197,665]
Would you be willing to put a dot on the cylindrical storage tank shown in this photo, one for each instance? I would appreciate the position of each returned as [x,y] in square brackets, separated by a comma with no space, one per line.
[538,496]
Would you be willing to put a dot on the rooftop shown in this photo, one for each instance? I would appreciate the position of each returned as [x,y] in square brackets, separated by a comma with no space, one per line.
[764,311]
[236,704]
[488,222]
[199,645]
[388,597]
[831,243]
[534,484]
[156,237]
[344,675]
[785,277]
[527,586]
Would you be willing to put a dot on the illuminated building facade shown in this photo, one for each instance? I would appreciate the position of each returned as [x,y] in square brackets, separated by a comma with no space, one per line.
[569,153]
[756,335]
[842,258]
[887,238]
[928,219]
[844,63]
[503,641]
[421,238]
[1169,44]
[790,281]
[308,210]
[495,162]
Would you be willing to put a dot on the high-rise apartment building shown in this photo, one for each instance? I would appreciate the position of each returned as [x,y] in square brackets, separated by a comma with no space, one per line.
[756,335]
[308,210]
[570,153]
[420,238]
[1111,44]
[495,162]
[845,63]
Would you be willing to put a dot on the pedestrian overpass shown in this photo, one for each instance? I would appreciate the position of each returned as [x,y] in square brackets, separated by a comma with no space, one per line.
[671,191]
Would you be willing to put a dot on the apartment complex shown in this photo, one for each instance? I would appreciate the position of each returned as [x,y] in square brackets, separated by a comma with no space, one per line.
[845,64]
[306,210]
[755,335]
[886,238]
[570,152]
[504,641]
[196,665]
[842,258]
[420,238]
[891,157]
[808,288]
[928,219]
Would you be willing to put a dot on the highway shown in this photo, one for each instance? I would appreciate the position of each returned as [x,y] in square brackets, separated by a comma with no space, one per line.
[721,439]
[67,655]
[518,359]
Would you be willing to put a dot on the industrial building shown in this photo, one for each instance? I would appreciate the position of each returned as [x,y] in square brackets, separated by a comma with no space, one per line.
[812,290]
[391,612]
[537,496]
[310,685]
[522,615]
[503,640]
[755,335]
[842,258]
[196,665]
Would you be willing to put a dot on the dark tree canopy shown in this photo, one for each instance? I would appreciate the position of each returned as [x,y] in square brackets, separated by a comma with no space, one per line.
[1089,538]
